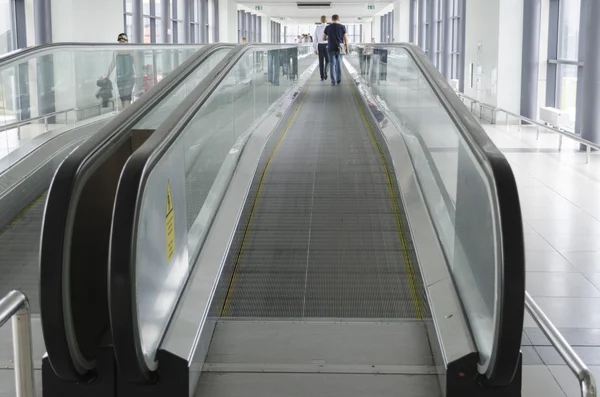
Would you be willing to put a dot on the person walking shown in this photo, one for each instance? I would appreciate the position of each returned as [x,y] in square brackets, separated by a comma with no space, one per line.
[320,47]
[337,43]
[123,62]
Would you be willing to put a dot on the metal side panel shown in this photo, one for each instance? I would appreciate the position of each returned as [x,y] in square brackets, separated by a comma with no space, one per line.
[191,326]
[452,335]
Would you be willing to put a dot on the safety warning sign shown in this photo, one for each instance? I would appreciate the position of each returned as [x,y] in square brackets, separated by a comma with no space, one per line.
[170,224]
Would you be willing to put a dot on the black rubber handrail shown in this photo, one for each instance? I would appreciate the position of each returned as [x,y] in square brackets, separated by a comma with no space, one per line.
[122,278]
[71,177]
[505,356]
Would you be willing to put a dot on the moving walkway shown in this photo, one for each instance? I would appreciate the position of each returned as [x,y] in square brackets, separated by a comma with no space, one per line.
[283,237]
[50,107]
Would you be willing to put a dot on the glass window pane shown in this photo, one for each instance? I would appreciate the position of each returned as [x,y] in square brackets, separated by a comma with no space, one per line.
[128,6]
[6,33]
[147,35]
[567,90]
[180,33]
[128,24]
[568,33]
[157,9]
[146,7]
[158,24]
[180,8]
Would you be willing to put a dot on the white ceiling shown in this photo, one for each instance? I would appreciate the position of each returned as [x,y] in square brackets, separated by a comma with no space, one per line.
[348,10]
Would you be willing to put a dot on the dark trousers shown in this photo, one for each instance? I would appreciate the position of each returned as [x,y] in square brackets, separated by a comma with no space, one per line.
[323,60]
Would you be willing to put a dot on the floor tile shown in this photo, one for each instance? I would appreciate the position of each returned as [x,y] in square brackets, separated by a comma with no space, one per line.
[567,380]
[531,356]
[585,262]
[538,381]
[545,284]
[536,336]
[571,312]
[548,261]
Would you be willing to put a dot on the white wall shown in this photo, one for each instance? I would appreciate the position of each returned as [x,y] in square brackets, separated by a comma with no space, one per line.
[367,32]
[228,21]
[86,20]
[493,45]
[510,54]
[401,21]
[376,28]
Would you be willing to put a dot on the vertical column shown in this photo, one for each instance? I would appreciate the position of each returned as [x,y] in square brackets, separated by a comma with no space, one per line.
[583,38]
[532,15]
[421,23]
[447,39]
[248,26]
[165,12]
[137,23]
[240,24]
[216,23]
[432,33]
[462,4]
[411,21]
[401,21]
[393,37]
[42,17]
[384,28]
[254,28]
[187,25]
[590,97]
[259,29]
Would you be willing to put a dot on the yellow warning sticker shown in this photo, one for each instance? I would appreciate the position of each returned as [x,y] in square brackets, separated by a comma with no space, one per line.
[170,224]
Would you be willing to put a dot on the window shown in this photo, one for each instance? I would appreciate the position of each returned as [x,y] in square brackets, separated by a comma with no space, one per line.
[455,40]
[563,61]
[7,35]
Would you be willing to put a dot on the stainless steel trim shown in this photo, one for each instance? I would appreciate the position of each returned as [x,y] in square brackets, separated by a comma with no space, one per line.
[561,131]
[16,306]
[587,383]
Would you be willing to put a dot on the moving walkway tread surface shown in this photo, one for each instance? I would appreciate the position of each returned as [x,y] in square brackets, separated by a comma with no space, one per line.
[326,293]
[19,253]
[324,233]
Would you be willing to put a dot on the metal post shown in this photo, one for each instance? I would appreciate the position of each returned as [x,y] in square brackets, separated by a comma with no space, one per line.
[23,355]
[15,306]
[560,142]
[506,119]
[532,15]
[537,134]
[588,151]
[165,20]
[519,124]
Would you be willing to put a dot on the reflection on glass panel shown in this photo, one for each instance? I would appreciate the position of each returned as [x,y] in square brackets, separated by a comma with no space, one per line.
[128,24]
[147,32]
[568,29]
[6,34]
[454,186]
[567,90]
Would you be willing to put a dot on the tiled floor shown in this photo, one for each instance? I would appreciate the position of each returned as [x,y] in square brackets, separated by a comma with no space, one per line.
[560,201]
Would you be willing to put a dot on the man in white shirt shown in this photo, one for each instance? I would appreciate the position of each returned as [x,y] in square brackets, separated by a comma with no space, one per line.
[320,47]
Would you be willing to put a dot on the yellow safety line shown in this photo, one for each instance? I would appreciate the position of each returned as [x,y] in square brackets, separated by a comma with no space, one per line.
[255,202]
[418,304]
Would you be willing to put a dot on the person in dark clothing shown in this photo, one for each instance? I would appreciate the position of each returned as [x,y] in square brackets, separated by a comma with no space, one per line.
[123,62]
[337,39]
[105,91]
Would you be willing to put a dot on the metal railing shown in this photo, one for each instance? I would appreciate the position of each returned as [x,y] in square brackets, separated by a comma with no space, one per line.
[589,145]
[45,117]
[16,306]
[587,383]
